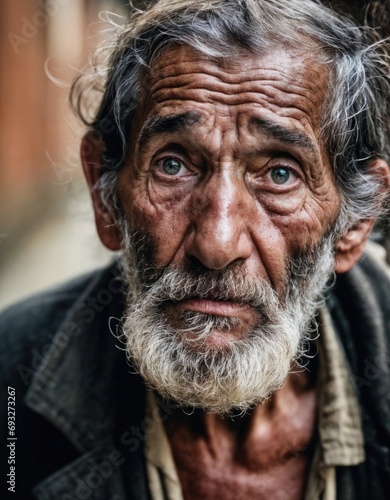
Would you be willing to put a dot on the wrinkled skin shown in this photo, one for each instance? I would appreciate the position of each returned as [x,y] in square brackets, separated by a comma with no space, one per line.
[205,185]
[223,207]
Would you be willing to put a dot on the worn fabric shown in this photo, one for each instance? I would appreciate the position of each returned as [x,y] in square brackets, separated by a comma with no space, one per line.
[81,419]
[340,440]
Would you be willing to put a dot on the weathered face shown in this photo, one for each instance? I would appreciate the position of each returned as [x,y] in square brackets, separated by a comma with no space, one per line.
[226,166]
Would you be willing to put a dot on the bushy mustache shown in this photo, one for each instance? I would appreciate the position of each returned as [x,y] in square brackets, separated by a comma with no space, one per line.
[191,280]
[176,285]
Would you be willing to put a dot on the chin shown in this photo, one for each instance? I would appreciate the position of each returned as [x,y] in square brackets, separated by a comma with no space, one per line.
[215,369]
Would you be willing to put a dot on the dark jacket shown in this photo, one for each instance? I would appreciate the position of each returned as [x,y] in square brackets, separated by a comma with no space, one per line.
[80,421]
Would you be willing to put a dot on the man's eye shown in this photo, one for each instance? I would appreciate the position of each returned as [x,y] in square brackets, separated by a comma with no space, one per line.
[281,176]
[173,166]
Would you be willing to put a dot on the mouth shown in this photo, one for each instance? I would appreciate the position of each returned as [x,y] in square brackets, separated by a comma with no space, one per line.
[215,307]
[240,319]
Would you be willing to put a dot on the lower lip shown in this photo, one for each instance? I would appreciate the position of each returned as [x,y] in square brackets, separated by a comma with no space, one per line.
[214,307]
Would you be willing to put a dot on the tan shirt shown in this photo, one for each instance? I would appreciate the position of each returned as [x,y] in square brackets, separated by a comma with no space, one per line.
[340,437]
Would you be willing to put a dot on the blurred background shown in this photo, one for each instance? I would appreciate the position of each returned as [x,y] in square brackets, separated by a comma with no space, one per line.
[47,232]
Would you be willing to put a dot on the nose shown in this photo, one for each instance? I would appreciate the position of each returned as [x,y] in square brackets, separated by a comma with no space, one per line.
[220,215]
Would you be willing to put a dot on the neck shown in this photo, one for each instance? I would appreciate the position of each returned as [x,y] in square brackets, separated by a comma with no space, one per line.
[278,421]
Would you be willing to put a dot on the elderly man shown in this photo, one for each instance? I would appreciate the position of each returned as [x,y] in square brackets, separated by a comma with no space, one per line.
[238,159]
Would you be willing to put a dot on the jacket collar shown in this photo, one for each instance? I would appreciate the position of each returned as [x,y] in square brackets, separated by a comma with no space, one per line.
[72,386]
[79,389]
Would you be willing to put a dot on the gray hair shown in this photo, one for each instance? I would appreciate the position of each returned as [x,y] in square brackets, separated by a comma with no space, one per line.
[356,117]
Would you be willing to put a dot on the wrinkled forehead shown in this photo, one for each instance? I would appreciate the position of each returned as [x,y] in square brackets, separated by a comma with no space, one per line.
[284,82]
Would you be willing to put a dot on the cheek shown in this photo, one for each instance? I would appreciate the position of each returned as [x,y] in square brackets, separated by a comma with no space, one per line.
[163,218]
[282,227]
[308,225]
[297,231]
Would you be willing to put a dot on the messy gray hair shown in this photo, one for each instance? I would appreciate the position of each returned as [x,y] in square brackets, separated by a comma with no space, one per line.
[356,117]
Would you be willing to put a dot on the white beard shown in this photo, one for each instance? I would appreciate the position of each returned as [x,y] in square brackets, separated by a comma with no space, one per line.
[181,366]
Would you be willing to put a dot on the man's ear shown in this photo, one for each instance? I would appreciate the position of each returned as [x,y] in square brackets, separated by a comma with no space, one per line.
[350,247]
[92,150]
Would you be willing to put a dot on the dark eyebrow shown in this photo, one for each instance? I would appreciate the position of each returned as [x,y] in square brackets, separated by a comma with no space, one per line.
[158,125]
[284,134]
